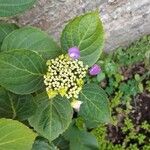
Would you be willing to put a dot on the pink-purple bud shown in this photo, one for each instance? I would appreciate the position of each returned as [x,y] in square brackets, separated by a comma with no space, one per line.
[74,52]
[94,70]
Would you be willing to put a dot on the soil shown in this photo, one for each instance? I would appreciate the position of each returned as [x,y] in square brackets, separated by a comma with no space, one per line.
[142,109]
[128,72]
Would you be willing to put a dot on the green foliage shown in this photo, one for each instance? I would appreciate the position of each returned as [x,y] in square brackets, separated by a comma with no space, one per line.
[16,106]
[42,144]
[86,32]
[127,56]
[123,83]
[80,139]
[131,133]
[101,134]
[145,126]
[52,117]
[31,38]
[119,70]
[95,107]
[101,77]
[130,88]
[147,59]
[23,57]
[21,71]
[15,136]
[61,143]
[129,130]
[148,86]
[6,29]
[13,7]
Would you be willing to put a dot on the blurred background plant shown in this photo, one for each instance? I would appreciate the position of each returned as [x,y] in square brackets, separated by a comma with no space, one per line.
[126,79]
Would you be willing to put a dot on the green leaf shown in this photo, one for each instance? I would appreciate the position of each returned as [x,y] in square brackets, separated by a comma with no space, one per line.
[6,29]
[32,39]
[61,143]
[95,108]
[101,76]
[15,135]
[16,106]
[80,139]
[52,117]
[137,77]
[147,59]
[13,7]
[85,32]
[42,144]
[21,71]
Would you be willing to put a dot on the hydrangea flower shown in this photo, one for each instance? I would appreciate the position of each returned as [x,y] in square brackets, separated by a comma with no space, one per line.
[94,70]
[65,76]
[74,52]
[76,105]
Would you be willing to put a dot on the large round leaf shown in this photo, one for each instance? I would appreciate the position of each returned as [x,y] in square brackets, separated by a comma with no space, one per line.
[15,135]
[61,143]
[80,139]
[21,71]
[86,33]
[32,39]
[52,116]
[42,144]
[13,7]
[6,29]
[95,108]
[16,106]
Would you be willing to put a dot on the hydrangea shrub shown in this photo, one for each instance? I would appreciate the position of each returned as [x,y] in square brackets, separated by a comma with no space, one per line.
[45,84]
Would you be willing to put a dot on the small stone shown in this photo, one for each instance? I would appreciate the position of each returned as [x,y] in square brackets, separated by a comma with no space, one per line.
[111,1]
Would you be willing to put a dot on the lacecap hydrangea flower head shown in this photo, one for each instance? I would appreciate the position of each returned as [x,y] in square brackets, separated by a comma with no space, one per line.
[66,73]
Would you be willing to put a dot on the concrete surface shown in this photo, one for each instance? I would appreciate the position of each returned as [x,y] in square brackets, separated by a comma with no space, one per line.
[124,20]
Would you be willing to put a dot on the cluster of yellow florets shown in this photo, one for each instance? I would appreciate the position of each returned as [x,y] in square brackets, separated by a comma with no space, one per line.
[64,76]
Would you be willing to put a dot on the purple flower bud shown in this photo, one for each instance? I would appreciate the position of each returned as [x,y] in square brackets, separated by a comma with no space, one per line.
[94,70]
[74,52]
